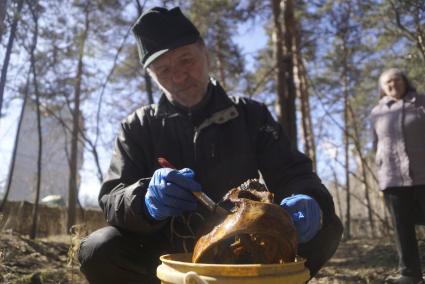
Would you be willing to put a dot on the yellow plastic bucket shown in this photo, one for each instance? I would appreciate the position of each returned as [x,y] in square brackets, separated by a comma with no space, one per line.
[178,269]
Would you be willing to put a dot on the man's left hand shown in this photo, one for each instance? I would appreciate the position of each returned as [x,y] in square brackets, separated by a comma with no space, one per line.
[306,215]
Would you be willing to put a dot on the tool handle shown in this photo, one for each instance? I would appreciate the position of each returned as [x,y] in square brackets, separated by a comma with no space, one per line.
[164,163]
[201,196]
[209,203]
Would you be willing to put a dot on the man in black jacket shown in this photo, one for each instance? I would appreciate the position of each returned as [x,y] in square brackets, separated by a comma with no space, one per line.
[215,142]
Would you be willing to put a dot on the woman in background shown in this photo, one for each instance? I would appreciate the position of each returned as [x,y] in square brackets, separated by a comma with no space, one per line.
[398,122]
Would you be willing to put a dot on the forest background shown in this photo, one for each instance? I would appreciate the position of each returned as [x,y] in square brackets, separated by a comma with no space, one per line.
[314,63]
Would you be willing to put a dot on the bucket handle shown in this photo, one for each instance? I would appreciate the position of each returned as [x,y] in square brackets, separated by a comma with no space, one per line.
[193,278]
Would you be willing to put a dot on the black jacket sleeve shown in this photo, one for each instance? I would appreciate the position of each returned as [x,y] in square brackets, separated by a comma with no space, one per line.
[124,187]
[285,170]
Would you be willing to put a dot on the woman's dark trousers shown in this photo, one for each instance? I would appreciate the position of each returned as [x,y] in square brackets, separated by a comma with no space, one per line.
[407,208]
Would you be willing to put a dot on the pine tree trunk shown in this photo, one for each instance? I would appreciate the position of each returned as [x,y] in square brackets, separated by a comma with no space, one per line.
[364,170]
[420,36]
[338,196]
[12,35]
[289,25]
[368,201]
[3,9]
[277,39]
[282,40]
[386,218]
[39,132]
[73,175]
[346,154]
[39,163]
[301,85]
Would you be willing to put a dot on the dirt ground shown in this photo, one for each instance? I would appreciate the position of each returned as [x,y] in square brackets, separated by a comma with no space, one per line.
[363,261]
[24,261]
[40,261]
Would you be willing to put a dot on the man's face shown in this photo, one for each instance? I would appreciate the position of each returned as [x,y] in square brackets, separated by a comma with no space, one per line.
[393,85]
[182,74]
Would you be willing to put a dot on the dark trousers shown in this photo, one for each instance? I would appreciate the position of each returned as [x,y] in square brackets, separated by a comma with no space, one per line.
[111,255]
[407,208]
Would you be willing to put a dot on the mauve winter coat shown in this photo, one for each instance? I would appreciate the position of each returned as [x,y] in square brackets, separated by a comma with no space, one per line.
[399,140]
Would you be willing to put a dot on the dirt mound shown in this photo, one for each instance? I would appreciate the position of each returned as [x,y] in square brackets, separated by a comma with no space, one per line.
[24,261]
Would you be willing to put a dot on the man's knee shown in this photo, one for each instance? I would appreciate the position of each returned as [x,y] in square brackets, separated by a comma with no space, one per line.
[96,248]
[110,255]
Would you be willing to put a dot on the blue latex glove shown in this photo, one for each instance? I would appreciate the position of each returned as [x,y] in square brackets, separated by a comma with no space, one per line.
[170,193]
[305,213]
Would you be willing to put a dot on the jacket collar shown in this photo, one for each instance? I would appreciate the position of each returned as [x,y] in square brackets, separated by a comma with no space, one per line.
[409,97]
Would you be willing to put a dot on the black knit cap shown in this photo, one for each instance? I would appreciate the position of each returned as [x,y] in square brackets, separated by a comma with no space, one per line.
[159,30]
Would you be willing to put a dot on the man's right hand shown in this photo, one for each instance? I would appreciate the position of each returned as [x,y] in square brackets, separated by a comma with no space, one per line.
[170,193]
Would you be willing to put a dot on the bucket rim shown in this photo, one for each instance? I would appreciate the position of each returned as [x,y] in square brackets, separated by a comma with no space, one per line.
[182,262]
[166,258]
